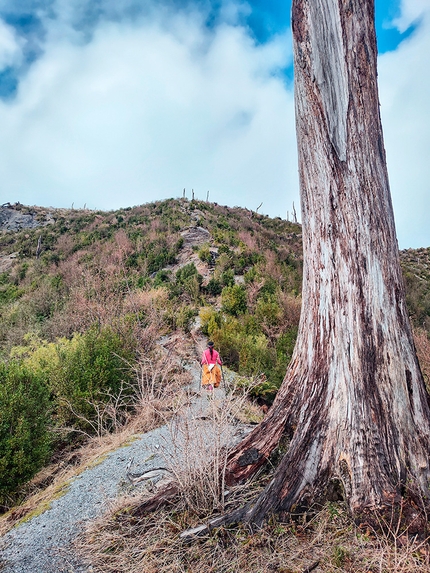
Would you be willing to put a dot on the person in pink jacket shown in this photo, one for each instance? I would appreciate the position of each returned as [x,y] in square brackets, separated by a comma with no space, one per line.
[211,372]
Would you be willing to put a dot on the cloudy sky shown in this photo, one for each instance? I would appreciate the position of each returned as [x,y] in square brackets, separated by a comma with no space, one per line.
[114,103]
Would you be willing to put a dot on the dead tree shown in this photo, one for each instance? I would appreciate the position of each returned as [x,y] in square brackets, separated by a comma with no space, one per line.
[353,397]
[39,247]
[294,214]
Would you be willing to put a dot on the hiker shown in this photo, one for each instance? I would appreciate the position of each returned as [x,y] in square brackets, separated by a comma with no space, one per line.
[211,372]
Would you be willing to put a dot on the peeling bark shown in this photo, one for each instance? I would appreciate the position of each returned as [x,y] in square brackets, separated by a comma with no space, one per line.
[354,394]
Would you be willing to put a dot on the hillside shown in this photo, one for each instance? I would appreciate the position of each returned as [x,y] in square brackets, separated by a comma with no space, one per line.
[85,266]
[102,314]
[63,271]
[85,295]
[48,257]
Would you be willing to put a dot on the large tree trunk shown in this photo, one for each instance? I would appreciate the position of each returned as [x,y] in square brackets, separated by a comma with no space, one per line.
[354,395]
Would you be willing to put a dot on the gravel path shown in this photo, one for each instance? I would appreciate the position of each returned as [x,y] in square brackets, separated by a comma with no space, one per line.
[44,543]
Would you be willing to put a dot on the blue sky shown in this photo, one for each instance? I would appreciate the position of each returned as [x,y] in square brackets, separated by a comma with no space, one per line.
[110,103]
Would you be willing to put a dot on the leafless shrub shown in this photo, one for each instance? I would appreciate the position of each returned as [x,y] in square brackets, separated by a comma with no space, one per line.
[249,240]
[110,414]
[198,446]
[252,293]
[291,308]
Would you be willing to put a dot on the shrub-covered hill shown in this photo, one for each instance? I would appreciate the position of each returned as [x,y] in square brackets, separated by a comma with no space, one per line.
[416,272]
[84,295]
[65,271]
[80,268]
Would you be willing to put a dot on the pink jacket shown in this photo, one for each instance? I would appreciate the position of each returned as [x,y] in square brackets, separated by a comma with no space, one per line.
[208,359]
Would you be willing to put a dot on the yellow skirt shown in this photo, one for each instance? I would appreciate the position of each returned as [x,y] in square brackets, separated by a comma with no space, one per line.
[212,377]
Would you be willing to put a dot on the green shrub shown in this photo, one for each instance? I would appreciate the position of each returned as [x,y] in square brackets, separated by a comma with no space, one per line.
[24,425]
[214,287]
[246,349]
[233,299]
[185,273]
[9,293]
[81,373]
[188,283]
[210,319]
[227,278]
[23,271]
[250,276]
[268,312]
[184,317]
[205,254]
[223,248]
[91,370]
[161,278]
[269,288]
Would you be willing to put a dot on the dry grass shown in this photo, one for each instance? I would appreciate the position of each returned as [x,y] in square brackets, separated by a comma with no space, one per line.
[197,446]
[330,542]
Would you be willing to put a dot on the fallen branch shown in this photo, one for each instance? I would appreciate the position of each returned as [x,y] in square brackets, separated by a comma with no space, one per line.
[150,474]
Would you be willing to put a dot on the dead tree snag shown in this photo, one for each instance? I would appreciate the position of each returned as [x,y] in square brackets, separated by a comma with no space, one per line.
[353,395]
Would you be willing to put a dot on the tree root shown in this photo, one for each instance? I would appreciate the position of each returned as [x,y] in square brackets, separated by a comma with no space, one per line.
[165,495]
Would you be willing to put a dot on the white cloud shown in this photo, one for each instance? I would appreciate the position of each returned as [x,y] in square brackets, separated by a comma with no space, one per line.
[137,111]
[232,12]
[404,80]
[410,12]
[10,47]
[146,109]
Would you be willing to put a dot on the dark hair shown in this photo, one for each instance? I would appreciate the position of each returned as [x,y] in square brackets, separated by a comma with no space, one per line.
[211,348]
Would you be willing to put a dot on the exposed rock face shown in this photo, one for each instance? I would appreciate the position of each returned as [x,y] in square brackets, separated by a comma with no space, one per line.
[12,219]
[195,236]
[7,262]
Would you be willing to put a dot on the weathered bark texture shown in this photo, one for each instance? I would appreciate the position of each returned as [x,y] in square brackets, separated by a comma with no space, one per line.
[353,395]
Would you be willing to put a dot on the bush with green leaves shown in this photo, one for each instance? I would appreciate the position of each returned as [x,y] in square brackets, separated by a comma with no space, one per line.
[25,438]
[246,348]
[161,278]
[214,287]
[9,292]
[184,317]
[187,285]
[82,373]
[204,253]
[233,300]
[227,278]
